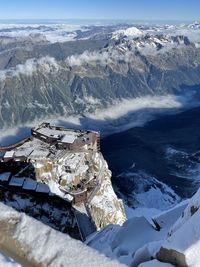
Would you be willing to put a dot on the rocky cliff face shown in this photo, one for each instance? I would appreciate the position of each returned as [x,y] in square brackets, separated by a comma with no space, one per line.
[105,208]
[103,205]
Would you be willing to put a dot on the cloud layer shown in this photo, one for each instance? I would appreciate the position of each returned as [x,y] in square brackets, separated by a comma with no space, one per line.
[52,32]
[45,64]
[122,115]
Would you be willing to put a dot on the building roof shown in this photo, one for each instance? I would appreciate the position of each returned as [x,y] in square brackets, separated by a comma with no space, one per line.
[51,132]
[42,188]
[4,177]
[9,154]
[23,152]
[66,136]
[69,139]
[17,181]
[47,132]
[39,153]
[29,184]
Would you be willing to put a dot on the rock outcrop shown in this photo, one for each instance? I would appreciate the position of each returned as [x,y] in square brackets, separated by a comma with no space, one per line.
[105,208]
[103,205]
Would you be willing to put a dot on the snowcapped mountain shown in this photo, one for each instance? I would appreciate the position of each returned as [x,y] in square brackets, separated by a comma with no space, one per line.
[129,32]
[128,61]
[194,25]
[74,73]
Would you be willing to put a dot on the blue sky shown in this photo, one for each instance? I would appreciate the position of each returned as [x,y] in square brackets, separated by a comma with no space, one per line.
[103,9]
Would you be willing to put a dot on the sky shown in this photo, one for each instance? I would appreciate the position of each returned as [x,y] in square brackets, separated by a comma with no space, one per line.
[104,9]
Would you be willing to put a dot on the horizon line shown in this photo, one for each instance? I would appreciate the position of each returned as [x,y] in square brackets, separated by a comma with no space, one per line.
[96,19]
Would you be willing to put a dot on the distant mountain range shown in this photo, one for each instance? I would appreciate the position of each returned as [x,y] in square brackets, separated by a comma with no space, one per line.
[44,74]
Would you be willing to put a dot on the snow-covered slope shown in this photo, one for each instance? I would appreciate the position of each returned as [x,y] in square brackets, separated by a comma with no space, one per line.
[139,239]
[171,239]
[139,189]
[183,244]
[155,263]
[132,31]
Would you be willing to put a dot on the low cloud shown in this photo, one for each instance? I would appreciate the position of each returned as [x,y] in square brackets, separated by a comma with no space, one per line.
[52,32]
[44,64]
[100,57]
[120,116]
[88,57]
[121,108]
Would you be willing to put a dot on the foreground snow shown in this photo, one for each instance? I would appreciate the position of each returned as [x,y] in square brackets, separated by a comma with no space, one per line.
[154,263]
[34,244]
[138,240]
[182,246]
[6,261]
[171,238]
